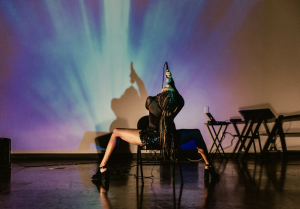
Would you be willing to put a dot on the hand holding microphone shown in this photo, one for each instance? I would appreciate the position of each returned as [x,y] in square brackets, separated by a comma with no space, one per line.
[168,74]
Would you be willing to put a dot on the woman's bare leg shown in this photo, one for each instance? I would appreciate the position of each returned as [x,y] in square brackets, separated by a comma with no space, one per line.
[132,136]
[187,135]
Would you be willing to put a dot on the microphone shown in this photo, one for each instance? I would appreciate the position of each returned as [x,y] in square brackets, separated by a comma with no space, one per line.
[167,66]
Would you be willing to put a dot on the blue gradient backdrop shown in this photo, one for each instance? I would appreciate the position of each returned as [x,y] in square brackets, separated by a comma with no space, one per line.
[62,62]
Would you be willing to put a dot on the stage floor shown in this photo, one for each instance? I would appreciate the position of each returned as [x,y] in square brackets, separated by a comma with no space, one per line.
[275,183]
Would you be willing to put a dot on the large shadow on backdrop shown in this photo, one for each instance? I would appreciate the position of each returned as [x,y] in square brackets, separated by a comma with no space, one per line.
[128,109]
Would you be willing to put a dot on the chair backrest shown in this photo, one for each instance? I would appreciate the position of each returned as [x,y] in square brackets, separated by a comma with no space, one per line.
[143,122]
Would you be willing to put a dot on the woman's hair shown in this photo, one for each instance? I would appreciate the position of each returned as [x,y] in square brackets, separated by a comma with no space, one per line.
[168,101]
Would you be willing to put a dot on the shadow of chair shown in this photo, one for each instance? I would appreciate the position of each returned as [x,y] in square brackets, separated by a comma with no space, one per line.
[143,124]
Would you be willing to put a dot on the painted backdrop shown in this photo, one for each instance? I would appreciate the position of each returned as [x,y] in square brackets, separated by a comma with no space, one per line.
[71,71]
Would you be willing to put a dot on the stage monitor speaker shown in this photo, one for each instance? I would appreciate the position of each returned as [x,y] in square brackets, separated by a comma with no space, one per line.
[5,149]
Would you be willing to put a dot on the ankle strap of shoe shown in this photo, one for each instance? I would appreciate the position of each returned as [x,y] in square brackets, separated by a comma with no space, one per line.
[102,167]
[208,165]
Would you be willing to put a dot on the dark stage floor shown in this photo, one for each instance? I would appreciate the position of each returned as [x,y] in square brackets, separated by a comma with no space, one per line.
[66,184]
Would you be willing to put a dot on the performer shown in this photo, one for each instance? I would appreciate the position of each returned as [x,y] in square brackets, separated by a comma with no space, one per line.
[161,132]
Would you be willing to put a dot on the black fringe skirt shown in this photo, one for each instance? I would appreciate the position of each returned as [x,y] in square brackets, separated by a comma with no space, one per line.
[150,137]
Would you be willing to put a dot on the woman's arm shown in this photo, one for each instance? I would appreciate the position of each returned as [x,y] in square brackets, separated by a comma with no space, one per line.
[170,80]
[172,84]
[179,106]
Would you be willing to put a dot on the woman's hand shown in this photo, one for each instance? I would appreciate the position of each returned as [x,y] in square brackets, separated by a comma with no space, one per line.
[168,76]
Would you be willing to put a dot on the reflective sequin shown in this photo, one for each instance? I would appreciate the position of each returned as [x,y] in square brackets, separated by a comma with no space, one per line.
[151,138]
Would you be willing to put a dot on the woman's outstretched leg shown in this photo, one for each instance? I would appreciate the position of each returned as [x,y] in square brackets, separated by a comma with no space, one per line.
[187,135]
[132,136]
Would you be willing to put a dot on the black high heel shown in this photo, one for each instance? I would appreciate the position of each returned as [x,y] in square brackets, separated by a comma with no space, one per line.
[210,170]
[101,175]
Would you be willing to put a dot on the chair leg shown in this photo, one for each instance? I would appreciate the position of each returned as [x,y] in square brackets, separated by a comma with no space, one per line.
[141,166]
[137,163]
[179,164]
[181,178]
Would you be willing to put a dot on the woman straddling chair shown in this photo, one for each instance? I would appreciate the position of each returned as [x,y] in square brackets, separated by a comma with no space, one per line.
[161,132]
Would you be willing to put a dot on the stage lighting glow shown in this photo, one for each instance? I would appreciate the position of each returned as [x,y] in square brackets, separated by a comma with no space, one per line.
[70,63]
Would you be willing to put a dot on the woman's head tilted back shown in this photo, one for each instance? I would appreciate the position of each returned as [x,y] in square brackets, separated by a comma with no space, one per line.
[167,87]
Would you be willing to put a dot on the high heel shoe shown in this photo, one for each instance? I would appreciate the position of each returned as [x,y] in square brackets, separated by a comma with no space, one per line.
[101,175]
[210,170]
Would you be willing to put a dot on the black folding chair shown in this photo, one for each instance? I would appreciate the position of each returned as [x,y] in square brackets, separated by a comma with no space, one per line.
[143,124]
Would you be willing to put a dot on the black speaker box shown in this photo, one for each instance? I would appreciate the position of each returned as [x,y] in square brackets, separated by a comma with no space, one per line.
[5,148]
